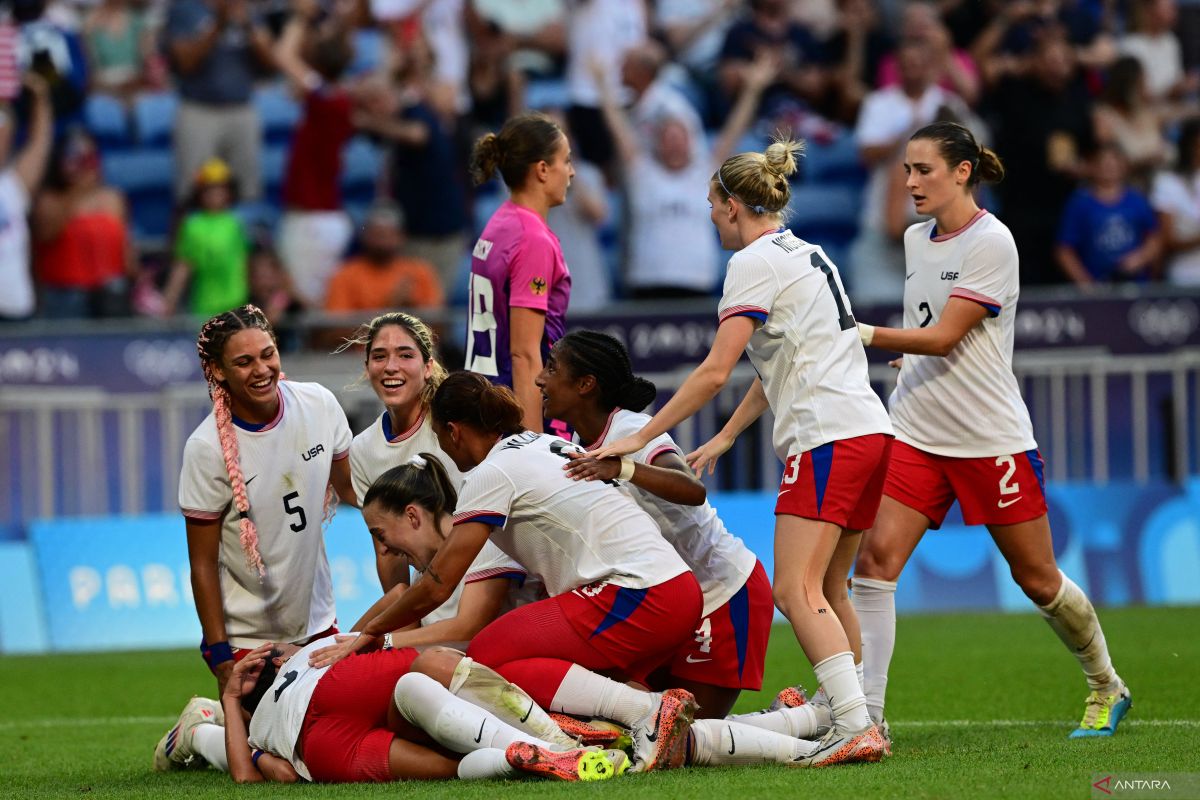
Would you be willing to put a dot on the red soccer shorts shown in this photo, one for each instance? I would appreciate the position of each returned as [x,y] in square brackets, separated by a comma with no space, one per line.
[599,626]
[993,490]
[345,738]
[839,482]
[730,644]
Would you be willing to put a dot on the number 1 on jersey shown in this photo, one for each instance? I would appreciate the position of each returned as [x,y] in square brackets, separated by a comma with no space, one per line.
[845,318]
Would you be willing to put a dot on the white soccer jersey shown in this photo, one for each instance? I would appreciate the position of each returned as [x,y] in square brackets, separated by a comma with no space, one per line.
[568,533]
[806,349]
[719,560]
[373,453]
[286,467]
[276,724]
[968,404]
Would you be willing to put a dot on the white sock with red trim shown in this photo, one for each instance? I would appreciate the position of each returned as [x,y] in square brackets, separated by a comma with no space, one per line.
[722,742]
[452,722]
[208,741]
[584,693]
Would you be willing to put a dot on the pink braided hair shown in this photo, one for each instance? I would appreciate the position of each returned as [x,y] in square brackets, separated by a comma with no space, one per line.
[211,344]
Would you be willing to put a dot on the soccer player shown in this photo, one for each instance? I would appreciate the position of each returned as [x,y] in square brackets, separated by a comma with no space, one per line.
[376,718]
[964,432]
[519,281]
[783,303]
[621,599]
[589,383]
[402,369]
[259,477]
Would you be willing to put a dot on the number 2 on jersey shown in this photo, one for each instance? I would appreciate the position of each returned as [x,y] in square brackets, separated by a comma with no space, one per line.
[845,318]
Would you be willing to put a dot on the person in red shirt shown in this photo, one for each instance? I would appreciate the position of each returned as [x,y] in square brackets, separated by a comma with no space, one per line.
[315,229]
[381,276]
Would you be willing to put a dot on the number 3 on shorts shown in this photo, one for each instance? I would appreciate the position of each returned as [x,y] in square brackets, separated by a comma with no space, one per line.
[1005,486]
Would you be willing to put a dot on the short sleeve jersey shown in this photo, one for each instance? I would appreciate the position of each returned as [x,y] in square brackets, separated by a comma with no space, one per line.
[376,450]
[719,560]
[568,533]
[286,466]
[276,724]
[806,347]
[517,263]
[967,404]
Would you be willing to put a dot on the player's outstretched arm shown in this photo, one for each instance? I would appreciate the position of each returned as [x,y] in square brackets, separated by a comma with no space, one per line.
[939,339]
[751,408]
[667,476]
[480,604]
[698,388]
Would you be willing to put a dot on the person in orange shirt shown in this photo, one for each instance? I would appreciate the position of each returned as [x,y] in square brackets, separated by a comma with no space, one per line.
[381,276]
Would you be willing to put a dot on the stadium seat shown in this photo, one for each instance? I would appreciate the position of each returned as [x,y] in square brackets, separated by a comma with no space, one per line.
[546,93]
[154,118]
[140,170]
[107,119]
[837,162]
[362,162]
[259,215]
[369,51]
[825,213]
[279,112]
[274,167]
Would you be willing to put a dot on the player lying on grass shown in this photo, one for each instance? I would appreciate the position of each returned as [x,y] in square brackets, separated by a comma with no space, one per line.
[376,717]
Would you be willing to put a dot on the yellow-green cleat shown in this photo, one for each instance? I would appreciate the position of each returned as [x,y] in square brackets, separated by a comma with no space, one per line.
[1103,713]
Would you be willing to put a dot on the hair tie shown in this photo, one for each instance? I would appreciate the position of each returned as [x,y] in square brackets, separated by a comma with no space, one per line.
[417,462]
[755,209]
[244,515]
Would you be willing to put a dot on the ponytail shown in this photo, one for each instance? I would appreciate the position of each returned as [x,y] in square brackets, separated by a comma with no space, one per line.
[957,144]
[523,141]
[470,398]
[759,181]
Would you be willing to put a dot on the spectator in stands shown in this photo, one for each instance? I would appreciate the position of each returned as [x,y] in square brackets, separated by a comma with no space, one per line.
[425,176]
[653,97]
[383,276]
[1008,46]
[215,48]
[668,256]
[121,52]
[1042,122]
[315,229]
[1153,42]
[1125,117]
[84,256]
[598,32]
[19,180]
[769,26]
[953,67]
[56,54]
[1176,198]
[211,248]
[577,224]
[888,117]
[1109,233]
[271,286]
[854,51]
[694,30]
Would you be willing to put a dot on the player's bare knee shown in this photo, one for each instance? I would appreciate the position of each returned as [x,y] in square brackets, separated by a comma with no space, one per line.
[438,663]
[879,565]
[1040,586]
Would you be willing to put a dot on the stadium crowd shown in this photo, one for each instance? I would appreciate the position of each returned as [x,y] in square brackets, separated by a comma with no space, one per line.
[188,156]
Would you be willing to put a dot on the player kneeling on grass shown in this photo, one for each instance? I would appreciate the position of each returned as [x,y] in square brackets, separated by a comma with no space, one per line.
[373,718]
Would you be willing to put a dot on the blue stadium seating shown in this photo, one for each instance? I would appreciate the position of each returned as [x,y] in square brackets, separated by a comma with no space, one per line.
[107,119]
[825,213]
[835,163]
[154,118]
[362,162]
[145,176]
[279,112]
[369,51]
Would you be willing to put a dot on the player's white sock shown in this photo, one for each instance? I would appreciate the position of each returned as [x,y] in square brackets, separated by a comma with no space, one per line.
[585,693]
[858,673]
[483,764]
[1071,616]
[801,722]
[209,743]
[452,721]
[836,675]
[875,602]
[482,686]
[722,742]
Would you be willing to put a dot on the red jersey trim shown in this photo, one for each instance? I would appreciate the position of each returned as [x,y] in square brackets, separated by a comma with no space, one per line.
[604,433]
[206,516]
[945,237]
[758,312]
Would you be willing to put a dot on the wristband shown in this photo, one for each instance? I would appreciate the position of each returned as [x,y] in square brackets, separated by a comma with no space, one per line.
[866,333]
[216,653]
[256,756]
[387,641]
[627,467]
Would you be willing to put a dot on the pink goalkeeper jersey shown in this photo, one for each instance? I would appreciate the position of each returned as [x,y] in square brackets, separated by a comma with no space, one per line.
[517,262]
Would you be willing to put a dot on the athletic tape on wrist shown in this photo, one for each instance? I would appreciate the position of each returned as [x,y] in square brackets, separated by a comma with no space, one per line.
[627,467]
[866,333]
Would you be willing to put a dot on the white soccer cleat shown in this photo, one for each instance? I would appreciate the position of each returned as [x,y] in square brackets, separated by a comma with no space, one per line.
[846,748]
[174,750]
[660,739]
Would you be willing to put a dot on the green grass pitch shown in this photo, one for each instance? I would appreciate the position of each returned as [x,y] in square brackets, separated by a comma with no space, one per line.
[980,707]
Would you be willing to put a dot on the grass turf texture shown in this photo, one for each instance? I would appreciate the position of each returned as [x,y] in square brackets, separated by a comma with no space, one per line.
[980,706]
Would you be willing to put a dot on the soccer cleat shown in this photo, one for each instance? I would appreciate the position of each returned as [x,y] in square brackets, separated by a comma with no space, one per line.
[846,748]
[885,731]
[568,765]
[789,697]
[174,749]
[1103,713]
[660,739]
[596,732]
